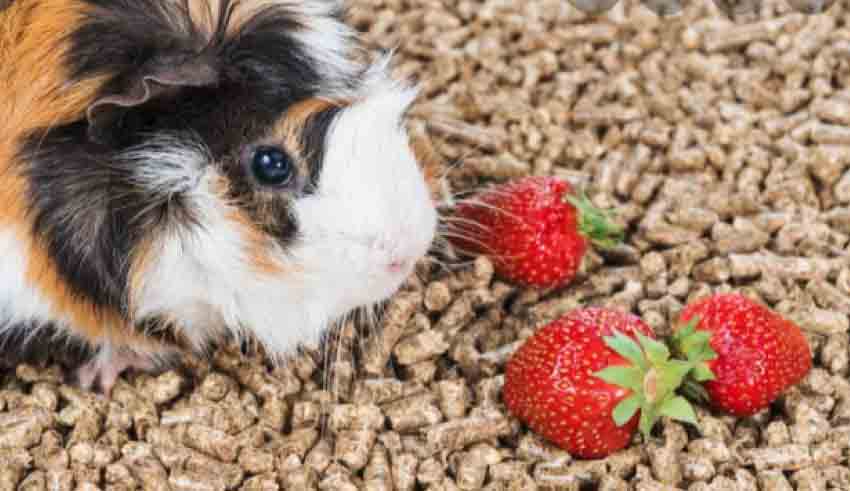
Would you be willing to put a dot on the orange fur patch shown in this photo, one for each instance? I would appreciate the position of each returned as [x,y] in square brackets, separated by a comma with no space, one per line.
[32,75]
[258,245]
[35,95]
[290,127]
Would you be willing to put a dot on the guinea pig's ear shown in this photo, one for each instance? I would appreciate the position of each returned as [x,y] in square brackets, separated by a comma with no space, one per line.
[156,78]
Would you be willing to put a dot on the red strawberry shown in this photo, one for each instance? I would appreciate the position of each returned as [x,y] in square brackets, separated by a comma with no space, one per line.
[535,230]
[581,380]
[751,353]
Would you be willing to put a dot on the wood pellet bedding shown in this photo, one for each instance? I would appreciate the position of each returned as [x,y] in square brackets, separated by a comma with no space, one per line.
[723,146]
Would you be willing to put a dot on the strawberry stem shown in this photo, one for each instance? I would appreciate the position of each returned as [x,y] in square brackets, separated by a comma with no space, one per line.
[650,385]
[594,223]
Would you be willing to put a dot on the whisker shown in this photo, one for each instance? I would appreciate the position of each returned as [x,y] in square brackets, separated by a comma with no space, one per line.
[421,277]
[471,190]
[373,316]
[489,206]
[366,319]
[338,359]
[441,264]
[486,249]
[472,240]
[454,164]
[454,266]
[441,248]
[449,221]
[459,161]
[442,244]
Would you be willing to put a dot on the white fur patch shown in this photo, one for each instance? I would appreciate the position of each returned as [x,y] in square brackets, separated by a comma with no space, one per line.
[372,206]
[196,270]
[23,306]
[167,165]
[19,302]
[328,41]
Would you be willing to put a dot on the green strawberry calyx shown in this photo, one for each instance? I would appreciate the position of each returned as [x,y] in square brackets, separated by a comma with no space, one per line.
[694,345]
[654,379]
[594,223]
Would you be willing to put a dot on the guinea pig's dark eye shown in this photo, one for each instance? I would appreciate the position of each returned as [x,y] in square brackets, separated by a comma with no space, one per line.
[271,166]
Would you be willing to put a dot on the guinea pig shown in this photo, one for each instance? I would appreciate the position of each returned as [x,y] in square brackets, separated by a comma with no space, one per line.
[176,171]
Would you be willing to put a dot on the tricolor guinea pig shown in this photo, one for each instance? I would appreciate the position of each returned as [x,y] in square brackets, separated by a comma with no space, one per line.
[174,171]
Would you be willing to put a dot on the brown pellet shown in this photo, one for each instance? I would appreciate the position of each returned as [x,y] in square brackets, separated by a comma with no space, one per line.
[437,296]
[786,457]
[404,471]
[353,447]
[298,442]
[459,433]
[377,472]
[397,315]
[421,347]
[192,481]
[212,442]
[256,461]
[355,417]
[454,397]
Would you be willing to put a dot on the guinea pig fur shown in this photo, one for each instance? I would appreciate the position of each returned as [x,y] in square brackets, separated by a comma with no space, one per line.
[175,171]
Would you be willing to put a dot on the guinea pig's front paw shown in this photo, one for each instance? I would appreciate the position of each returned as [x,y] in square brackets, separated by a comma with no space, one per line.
[107,366]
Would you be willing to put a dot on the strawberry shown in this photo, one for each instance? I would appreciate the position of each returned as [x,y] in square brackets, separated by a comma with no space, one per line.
[536,230]
[581,380]
[749,354]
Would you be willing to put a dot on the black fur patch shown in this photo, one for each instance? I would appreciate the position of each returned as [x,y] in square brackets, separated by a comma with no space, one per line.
[41,344]
[313,142]
[87,211]
[85,206]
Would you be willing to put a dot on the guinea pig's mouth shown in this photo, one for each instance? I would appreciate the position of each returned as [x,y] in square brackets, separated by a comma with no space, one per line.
[400,264]
[394,272]
[391,274]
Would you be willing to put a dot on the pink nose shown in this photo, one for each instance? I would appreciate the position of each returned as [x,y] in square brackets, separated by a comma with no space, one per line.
[397,265]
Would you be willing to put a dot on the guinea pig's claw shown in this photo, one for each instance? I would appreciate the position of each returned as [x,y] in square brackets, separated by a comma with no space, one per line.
[106,370]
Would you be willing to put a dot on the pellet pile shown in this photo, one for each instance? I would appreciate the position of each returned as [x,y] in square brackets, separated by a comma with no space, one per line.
[725,149]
